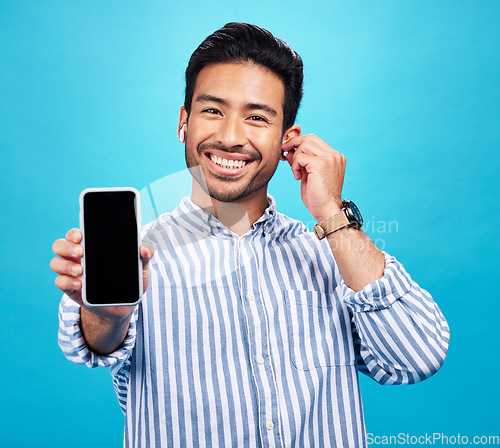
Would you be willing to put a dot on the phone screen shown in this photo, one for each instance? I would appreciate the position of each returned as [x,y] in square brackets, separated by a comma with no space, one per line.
[111,248]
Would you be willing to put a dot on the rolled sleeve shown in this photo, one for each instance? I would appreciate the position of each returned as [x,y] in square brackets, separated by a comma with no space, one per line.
[381,293]
[73,344]
[399,332]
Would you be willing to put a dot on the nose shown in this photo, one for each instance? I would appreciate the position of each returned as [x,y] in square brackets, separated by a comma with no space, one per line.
[231,132]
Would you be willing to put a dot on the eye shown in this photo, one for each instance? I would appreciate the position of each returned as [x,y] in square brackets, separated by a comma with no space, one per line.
[211,111]
[258,118]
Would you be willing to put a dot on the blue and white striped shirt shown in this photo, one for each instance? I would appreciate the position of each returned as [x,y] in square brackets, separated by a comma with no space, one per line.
[255,340]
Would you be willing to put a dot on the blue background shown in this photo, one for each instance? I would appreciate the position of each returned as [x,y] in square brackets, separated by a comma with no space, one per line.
[407,90]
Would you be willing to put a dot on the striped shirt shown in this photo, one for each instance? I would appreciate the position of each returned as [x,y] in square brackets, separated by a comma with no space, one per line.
[255,340]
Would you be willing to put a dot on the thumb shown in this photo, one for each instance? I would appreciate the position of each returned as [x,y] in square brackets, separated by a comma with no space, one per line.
[147,251]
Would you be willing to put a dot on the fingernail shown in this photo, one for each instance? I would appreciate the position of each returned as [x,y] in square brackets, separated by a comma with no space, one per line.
[76,284]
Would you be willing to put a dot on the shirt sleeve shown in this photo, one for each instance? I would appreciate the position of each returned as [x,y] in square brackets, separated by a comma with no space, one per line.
[74,346]
[400,334]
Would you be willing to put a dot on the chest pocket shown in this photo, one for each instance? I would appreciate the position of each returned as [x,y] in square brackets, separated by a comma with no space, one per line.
[319,330]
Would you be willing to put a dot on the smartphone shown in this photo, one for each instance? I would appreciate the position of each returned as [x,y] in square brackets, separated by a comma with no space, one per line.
[110,222]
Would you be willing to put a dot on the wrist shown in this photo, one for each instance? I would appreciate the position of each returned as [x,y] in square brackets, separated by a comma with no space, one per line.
[118,318]
[328,212]
[348,215]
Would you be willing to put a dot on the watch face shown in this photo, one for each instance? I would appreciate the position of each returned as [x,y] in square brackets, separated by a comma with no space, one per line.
[356,214]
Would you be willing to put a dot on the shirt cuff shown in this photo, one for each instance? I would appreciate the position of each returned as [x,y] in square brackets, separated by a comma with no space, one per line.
[381,293]
[74,346]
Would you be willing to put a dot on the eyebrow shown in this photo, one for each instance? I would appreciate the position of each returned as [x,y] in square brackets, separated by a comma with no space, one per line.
[264,107]
[206,98]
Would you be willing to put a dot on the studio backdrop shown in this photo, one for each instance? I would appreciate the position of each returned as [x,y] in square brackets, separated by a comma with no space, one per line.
[407,90]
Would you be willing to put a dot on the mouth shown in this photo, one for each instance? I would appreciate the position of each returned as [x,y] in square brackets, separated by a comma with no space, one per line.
[227,163]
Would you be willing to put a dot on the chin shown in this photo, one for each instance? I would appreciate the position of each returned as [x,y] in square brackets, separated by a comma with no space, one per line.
[227,196]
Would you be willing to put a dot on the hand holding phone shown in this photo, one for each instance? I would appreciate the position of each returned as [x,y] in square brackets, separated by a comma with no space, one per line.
[68,265]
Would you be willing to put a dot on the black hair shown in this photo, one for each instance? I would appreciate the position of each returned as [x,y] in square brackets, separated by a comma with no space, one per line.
[243,42]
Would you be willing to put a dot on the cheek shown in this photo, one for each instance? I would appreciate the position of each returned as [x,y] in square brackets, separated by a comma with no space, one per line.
[267,143]
[199,130]
[195,137]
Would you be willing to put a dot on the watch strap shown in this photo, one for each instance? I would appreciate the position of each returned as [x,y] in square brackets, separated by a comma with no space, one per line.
[332,224]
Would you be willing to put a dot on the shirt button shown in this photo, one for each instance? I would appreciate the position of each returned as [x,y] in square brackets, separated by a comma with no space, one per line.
[269,425]
[260,360]
[250,296]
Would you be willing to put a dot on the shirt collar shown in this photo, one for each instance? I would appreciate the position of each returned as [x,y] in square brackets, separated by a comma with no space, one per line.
[196,220]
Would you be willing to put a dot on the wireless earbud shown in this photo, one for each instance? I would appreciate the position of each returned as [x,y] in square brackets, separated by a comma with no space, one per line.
[182,134]
[284,153]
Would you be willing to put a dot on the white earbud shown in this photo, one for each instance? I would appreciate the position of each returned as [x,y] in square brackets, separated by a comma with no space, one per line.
[285,153]
[182,134]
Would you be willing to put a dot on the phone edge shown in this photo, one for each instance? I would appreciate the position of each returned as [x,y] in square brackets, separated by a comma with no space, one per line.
[137,205]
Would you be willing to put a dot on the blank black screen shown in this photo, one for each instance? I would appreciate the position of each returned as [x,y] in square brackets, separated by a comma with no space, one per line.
[111,247]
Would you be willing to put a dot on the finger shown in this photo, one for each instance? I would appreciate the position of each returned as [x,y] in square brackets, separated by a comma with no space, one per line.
[74,235]
[300,164]
[69,285]
[310,144]
[67,249]
[293,143]
[289,157]
[147,251]
[65,267]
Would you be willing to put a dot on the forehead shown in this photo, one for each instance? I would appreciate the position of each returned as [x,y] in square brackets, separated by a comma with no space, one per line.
[240,84]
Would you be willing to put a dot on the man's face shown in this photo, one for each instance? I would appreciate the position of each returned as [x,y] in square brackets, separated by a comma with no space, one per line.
[236,117]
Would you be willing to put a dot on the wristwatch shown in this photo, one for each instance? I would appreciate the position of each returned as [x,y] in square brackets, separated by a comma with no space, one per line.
[348,216]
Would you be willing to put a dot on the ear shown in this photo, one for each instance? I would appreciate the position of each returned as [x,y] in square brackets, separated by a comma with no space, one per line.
[290,133]
[183,119]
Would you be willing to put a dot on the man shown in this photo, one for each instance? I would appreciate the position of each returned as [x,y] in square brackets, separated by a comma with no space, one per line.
[252,329]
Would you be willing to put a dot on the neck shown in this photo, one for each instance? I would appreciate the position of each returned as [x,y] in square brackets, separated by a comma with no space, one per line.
[238,216]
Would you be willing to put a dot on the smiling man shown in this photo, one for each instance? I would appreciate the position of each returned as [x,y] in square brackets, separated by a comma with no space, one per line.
[252,330]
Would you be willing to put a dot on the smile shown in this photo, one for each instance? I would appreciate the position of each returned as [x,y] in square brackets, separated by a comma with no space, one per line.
[227,166]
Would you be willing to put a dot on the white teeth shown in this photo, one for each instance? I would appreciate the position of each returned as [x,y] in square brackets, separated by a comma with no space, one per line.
[228,163]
